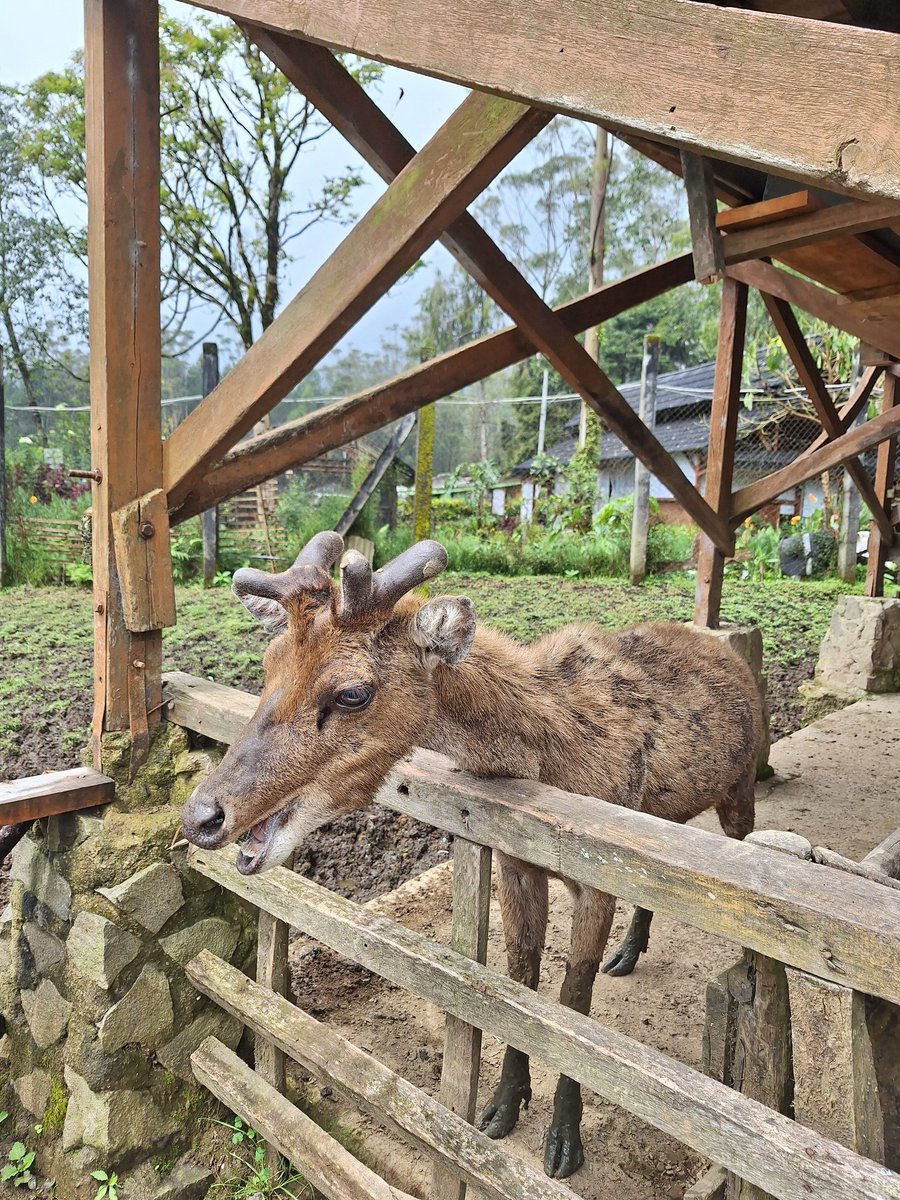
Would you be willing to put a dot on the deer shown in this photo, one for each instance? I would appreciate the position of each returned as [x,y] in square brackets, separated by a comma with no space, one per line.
[359,671]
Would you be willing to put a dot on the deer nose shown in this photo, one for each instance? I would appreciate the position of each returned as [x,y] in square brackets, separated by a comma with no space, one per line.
[202,822]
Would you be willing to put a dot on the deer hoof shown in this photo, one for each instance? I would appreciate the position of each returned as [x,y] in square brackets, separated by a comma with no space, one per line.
[502,1114]
[623,961]
[563,1151]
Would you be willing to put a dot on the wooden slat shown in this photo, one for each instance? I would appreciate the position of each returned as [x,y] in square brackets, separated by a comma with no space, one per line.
[466,153]
[879,542]
[851,444]
[709,255]
[819,303]
[122,132]
[886,856]
[462,1042]
[340,98]
[838,220]
[57,792]
[764,1147]
[216,711]
[318,1156]
[792,95]
[273,973]
[789,331]
[428,1124]
[723,423]
[304,439]
[762,212]
[144,562]
[839,928]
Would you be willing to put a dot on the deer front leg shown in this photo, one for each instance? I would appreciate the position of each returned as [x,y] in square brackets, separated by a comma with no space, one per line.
[591,920]
[636,941]
[523,904]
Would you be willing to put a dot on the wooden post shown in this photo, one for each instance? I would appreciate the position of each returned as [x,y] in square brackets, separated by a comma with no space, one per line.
[122,133]
[424,469]
[210,519]
[884,484]
[273,972]
[850,505]
[709,255]
[462,1042]
[3,568]
[722,437]
[835,1087]
[640,522]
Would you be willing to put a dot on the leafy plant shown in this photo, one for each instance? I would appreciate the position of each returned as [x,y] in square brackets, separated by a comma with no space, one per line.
[18,1166]
[108,1189]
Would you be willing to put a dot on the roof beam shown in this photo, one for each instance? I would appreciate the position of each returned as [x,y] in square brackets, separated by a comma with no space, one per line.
[811,112]
[468,151]
[838,220]
[789,331]
[852,406]
[337,95]
[818,302]
[299,441]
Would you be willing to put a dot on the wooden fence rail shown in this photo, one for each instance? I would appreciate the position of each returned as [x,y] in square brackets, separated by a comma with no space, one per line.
[770,1150]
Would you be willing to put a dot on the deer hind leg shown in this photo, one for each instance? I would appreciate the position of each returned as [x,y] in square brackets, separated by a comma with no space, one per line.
[523,904]
[634,944]
[591,920]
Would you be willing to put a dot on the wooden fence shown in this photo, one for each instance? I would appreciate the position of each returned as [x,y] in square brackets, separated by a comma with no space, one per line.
[837,933]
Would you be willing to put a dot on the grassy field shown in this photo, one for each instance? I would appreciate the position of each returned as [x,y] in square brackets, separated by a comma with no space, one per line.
[45,671]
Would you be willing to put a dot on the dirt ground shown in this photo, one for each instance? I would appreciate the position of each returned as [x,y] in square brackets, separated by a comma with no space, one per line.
[835,783]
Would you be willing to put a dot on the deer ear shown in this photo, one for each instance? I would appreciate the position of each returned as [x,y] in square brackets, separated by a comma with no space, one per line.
[444,629]
[273,617]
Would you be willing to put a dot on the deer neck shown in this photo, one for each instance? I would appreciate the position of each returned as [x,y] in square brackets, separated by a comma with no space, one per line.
[490,712]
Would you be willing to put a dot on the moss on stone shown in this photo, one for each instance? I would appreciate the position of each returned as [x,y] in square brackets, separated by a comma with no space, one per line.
[55,1111]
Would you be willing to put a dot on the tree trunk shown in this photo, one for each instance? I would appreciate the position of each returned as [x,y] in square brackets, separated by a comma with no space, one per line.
[25,374]
[596,254]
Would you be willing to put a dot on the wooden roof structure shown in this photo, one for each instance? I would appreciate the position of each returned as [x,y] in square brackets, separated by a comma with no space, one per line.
[783,110]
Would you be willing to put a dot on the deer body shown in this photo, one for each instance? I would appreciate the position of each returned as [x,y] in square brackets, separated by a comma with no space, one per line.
[659,718]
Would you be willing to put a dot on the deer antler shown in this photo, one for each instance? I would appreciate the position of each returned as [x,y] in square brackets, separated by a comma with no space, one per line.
[309,573]
[362,592]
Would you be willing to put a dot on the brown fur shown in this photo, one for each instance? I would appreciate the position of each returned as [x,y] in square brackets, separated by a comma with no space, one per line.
[658,718]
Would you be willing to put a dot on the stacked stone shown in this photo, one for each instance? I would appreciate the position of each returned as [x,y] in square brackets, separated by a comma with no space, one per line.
[100,1018]
[860,652]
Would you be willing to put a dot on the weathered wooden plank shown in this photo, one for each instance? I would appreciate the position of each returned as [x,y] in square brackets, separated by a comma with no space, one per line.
[879,541]
[764,1147]
[828,858]
[723,421]
[818,302]
[318,1156]
[273,973]
[122,133]
[299,441]
[835,1087]
[761,1068]
[56,792]
[710,1186]
[788,329]
[210,519]
[709,254]
[886,855]
[863,437]
[466,153]
[838,220]
[462,1042]
[419,1118]
[809,112]
[640,518]
[847,930]
[141,542]
[763,212]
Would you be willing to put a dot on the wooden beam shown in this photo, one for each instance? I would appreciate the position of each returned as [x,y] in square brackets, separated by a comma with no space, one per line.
[122,131]
[885,857]
[319,1157]
[343,102]
[49,795]
[723,421]
[838,220]
[709,256]
[466,153]
[768,1149]
[851,408]
[791,334]
[300,441]
[808,112]
[818,302]
[209,520]
[764,212]
[418,1118]
[879,543]
[857,440]
[375,476]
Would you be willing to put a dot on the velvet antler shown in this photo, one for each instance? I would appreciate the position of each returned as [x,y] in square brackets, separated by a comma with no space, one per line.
[362,592]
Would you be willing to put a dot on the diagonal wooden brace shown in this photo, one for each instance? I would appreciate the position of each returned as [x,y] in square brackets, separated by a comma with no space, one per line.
[472,147]
[340,98]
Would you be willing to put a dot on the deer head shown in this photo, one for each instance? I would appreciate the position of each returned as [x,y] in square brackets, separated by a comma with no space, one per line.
[347,692]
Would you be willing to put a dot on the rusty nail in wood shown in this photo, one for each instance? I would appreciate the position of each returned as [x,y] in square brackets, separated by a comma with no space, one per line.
[99,609]
[96,474]
[146,530]
[137,663]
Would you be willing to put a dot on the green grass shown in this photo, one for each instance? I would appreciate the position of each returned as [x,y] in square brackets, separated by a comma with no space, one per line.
[45,670]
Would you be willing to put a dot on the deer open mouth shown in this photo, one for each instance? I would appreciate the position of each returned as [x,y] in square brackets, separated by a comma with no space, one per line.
[251,855]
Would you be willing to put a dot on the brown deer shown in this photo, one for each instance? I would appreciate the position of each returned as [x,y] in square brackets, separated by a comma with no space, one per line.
[658,718]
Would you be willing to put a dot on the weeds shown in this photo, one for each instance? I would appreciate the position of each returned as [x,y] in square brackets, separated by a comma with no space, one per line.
[108,1189]
[253,1179]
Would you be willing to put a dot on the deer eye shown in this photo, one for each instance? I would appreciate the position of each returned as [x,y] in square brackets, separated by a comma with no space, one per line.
[352,699]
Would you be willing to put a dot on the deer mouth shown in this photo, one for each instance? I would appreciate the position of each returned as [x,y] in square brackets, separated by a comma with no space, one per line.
[252,852]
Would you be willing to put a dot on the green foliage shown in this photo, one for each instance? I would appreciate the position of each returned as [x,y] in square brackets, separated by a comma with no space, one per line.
[253,1180]
[108,1189]
[17,1171]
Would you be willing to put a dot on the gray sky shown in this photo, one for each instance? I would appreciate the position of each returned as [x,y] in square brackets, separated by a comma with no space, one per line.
[41,35]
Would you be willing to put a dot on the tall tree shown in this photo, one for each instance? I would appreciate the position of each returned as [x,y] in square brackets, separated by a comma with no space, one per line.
[235,202]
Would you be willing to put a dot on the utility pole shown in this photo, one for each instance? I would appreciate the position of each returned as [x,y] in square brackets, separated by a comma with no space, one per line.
[647,411]
[210,519]
[542,427]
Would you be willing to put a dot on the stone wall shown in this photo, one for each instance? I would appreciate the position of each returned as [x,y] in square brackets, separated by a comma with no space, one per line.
[861,650]
[100,1019]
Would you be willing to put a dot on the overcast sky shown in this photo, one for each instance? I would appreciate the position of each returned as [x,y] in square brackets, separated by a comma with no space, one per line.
[41,35]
